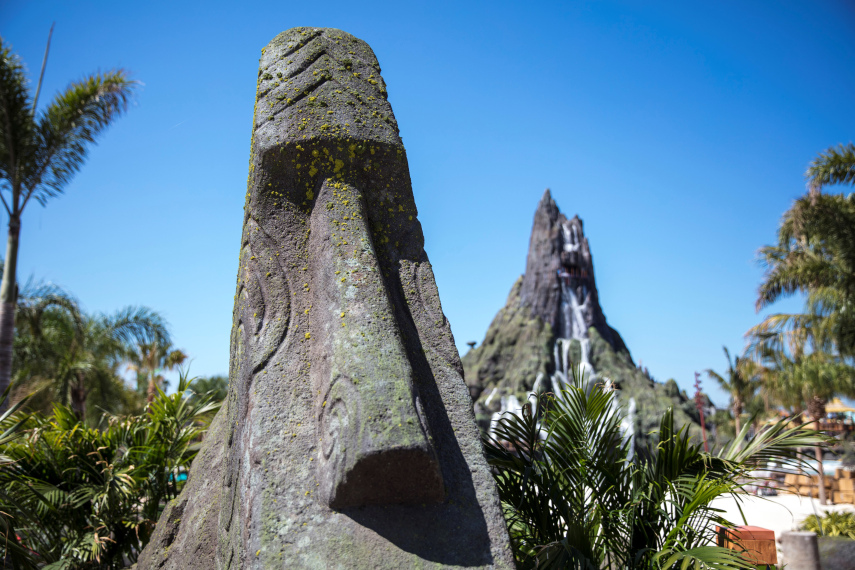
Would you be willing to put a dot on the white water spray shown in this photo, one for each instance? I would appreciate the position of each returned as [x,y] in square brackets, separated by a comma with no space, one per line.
[627,429]
[571,238]
[510,404]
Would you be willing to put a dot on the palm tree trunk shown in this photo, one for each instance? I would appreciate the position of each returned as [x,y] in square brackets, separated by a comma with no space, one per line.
[78,399]
[152,388]
[8,298]
[822,498]
[737,411]
[816,409]
[150,393]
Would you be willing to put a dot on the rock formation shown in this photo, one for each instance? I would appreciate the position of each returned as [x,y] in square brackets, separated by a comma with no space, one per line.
[558,257]
[552,319]
[347,439]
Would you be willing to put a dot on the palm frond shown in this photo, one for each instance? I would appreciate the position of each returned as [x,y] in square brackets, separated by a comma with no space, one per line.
[706,557]
[834,166]
[138,325]
[16,119]
[572,499]
[70,125]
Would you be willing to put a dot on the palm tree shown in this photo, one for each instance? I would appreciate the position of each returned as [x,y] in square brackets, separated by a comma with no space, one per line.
[815,254]
[808,355]
[802,379]
[818,379]
[149,359]
[39,155]
[574,499]
[73,358]
[740,384]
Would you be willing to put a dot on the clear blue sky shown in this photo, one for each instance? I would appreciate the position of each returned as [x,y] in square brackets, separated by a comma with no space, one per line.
[679,133]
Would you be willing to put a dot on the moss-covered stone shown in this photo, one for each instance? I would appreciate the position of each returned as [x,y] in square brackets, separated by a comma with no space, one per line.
[515,350]
[344,381]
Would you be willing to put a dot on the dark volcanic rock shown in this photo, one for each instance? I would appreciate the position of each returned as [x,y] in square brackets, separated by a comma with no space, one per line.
[347,439]
[559,245]
[520,342]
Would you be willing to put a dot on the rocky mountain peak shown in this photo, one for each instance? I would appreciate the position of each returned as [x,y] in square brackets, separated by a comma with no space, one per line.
[552,322]
[559,257]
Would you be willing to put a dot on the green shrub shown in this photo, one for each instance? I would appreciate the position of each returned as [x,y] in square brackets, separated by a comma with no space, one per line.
[573,498]
[73,496]
[831,524]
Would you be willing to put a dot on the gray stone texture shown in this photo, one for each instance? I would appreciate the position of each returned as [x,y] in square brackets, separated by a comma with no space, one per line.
[347,439]
[836,552]
[799,551]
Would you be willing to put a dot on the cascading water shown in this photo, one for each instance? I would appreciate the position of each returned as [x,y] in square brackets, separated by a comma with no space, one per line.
[509,404]
[580,332]
[627,428]
[575,300]
[561,350]
[571,238]
[572,326]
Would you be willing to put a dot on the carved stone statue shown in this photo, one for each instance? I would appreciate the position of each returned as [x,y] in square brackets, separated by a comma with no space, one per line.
[347,439]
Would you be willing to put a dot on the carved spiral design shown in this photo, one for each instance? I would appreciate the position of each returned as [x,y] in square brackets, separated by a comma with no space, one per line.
[342,408]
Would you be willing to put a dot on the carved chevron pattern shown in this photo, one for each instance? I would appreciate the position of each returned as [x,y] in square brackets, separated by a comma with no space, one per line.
[297,70]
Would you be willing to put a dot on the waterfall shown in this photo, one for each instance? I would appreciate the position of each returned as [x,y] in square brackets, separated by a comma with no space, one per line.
[572,316]
[561,358]
[580,330]
[574,328]
[490,397]
[509,404]
[534,396]
[627,428]
[571,326]
[571,238]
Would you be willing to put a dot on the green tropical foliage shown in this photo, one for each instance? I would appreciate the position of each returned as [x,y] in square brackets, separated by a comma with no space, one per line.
[573,499]
[815,254]
[831,524]
[739,381]
[40,153]
[11,423]
[73,496]
[217,387]
[66,356]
